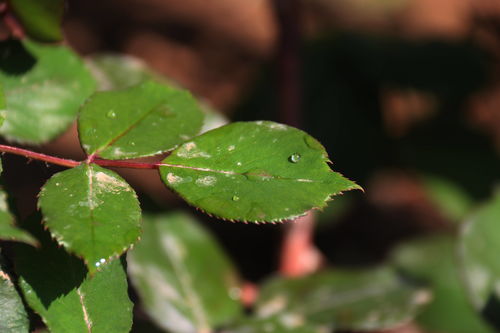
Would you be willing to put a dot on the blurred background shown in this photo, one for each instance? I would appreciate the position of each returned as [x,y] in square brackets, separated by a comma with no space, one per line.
[404,94]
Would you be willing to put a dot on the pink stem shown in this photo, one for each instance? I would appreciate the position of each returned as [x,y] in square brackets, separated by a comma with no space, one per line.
[72,163]
[39,156]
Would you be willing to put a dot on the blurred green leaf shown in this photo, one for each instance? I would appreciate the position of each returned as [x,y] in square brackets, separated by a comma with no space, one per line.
[283,324]
[56,285]
[253,171]
[2,105]
[13,317]
[479,245]
[432,261]
[92,212]
[185,281]
[118,71]
[144,120]
[41,19]
[451,200]
[348,300]
[44,86]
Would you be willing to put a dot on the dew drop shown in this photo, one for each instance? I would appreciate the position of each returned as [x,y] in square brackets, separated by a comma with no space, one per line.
[111,114]
[236,198]
[132,143]
[294,158]
[57,184]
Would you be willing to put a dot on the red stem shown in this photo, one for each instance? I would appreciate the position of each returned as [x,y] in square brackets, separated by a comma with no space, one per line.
[39,156]
[72,163]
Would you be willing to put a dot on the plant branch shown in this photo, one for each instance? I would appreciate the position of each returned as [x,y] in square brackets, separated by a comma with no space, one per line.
[39,156]
[72,163]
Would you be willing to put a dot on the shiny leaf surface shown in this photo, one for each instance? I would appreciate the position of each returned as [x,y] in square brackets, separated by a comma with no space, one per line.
[92,212]
[185,281]
[253,171]
[347,300]
[143,120]
[44,86]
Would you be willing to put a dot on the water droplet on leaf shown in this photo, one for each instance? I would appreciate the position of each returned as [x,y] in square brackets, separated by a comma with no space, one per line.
[294,158]
[236,198]
[111,114]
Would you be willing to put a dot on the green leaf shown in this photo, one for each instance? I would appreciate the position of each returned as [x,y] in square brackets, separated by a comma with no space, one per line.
[8,230]
[144,120]
[56,285]
[13,317]
[452,201]
[185,281]
[92,212]
[2,105]
[41,19]
[44,87]
[253,171]
[116,71]
[432,260]
[347,300]
[479,245]
[284,324]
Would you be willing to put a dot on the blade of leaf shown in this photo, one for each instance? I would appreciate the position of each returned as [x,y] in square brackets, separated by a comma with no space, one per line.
[56,285]
[92,212]
[44,86]
[432,260]
[143,120]
[479,243]
[348,300]
[185,281]
[13,317]
[254,171]
[42,19]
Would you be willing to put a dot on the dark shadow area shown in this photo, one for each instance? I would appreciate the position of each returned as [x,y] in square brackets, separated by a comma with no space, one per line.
[14,58]
[491,310]
[49,270]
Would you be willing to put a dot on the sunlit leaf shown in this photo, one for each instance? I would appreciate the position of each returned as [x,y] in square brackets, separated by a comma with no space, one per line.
[92,212]
[479,247]
[432,260]
[254,171]
[13,317]
[348,300]
[144,120]
[185,281]
[56,285]
[41,19]
[44,86]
